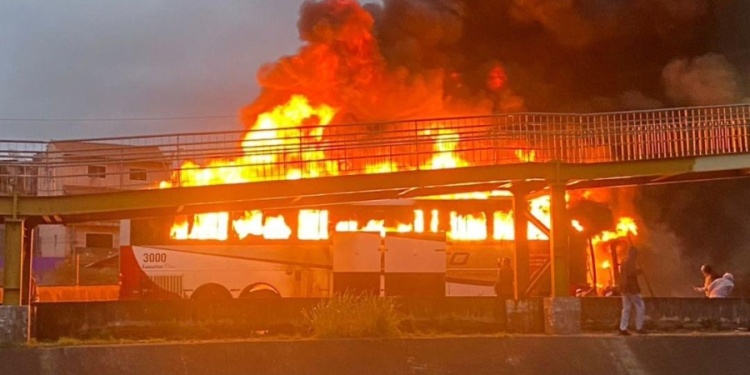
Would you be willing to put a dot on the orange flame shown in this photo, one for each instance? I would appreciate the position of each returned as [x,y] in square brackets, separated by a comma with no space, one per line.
[577,225]
[277,132]
[625,227]
[526,155]
[295,131]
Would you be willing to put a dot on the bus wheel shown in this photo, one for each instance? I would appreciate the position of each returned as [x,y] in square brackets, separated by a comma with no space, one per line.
[260,290]
[211,292]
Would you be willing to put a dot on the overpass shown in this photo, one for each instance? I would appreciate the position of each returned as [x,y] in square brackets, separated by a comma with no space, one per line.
[312,166]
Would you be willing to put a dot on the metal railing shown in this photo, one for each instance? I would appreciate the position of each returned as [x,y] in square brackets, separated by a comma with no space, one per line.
[96,165]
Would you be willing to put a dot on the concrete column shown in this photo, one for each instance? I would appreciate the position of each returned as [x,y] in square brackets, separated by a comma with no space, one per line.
[14,318]
[562,315]
[559,241]
[14,325]
[14,243]
[520,242]
[26,261]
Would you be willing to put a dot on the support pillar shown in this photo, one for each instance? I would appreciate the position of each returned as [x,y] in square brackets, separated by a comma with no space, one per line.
[521,242]
[26,261]
[14,318]
[14,244]
[562,313]
[559,241]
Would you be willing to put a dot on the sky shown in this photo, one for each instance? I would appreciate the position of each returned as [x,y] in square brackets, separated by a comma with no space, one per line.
[112,59]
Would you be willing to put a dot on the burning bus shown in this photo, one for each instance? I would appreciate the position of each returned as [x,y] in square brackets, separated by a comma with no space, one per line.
[427,247]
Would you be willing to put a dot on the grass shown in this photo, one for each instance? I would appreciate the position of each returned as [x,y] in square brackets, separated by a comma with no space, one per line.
[351,315]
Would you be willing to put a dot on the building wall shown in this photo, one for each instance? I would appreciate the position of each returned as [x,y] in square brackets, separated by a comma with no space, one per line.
[81,175]
[80,231]
[53,241]
[116,176]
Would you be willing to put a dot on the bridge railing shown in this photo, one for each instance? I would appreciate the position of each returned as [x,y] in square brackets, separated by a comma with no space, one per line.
[98,165]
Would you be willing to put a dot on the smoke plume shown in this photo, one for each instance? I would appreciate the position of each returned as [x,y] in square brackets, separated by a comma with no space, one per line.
[704,80]
[401,59]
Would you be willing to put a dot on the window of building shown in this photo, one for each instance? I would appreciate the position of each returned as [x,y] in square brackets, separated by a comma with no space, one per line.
[97,171]
[99,240]
[138,174]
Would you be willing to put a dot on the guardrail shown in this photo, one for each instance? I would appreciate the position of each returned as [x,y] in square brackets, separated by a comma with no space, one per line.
[99,165]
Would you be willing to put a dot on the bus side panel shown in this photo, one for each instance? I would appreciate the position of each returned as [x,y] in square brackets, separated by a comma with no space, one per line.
[415,265]
[180,271]
[472,267]
[357,263]
[129,274]
[135,283]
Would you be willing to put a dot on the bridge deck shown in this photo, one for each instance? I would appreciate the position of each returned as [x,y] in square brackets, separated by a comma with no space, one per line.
[357,162]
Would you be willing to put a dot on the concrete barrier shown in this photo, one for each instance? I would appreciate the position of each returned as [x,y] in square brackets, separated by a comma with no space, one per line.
[562,315]
[14,324]
[76,293]
[669,314]
[180,319]
[580,355]
[185,319]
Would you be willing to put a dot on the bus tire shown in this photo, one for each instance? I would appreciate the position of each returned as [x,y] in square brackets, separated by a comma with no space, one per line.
[211,292]
[259,290]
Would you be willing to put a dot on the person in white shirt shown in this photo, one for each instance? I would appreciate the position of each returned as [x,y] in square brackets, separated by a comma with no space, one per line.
[721,287]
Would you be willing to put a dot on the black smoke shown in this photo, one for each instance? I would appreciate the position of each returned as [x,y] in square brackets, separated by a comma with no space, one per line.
[598,55]
[565,55]
[422,58]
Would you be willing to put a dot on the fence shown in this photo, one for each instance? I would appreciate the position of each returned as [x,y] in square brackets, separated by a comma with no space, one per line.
[100,165]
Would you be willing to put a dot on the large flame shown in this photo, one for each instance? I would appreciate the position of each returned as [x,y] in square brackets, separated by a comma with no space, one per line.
[296,132]
[605,247]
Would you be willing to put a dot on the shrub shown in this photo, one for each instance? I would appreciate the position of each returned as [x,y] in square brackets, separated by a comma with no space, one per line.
[354,315]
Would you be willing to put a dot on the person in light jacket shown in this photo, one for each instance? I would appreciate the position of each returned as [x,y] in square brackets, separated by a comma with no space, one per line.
[721,287]
[631,293]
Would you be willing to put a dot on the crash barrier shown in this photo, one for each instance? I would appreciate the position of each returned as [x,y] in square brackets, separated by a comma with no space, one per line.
[580,355]
[182,319]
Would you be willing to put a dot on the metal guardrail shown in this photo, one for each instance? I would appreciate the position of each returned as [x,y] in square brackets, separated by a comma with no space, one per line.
[97,165]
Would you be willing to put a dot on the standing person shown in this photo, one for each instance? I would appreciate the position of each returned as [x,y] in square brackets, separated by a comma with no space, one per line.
[631,293]
[504,288]
[708,277]
[504,283]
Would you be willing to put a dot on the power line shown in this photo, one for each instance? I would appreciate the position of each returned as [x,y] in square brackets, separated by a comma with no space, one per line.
[124,119]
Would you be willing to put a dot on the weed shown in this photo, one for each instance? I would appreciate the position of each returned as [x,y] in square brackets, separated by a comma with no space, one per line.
[354,315]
